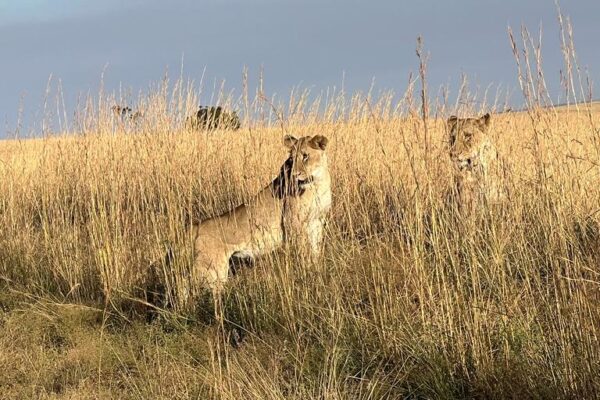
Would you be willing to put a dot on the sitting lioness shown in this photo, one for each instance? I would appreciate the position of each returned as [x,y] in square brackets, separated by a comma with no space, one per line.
[478,170]
[291,208]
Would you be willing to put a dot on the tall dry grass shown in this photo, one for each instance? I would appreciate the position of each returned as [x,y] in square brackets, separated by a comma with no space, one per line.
[407,302]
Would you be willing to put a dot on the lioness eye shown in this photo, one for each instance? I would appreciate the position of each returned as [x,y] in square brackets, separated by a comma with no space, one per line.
[305,157]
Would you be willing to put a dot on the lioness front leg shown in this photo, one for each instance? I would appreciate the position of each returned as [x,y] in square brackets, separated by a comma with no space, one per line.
[211,271]
[315,239]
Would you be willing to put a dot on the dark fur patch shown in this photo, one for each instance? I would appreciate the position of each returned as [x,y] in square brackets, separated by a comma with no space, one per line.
[284,185]
[237,263]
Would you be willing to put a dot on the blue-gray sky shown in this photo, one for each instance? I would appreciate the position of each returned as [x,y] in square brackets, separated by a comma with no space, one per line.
[298,42]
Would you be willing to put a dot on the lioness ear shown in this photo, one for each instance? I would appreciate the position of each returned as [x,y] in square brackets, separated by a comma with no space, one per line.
[318,142]
[486,120]
[289,141]
[451,124]
[452,121]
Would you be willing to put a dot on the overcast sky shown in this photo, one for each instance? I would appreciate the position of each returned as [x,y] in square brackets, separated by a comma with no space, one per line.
[298,42]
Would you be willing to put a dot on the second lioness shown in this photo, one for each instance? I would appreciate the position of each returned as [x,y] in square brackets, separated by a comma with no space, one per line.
[479,171]
[291,208]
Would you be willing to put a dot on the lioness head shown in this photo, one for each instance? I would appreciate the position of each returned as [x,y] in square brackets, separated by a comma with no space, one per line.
[468,137]
[307,161]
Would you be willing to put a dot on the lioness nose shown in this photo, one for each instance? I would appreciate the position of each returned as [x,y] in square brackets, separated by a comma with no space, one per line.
[296,172]
[465,163]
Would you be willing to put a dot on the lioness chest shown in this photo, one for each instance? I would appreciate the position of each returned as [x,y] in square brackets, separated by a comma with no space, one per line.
[305,212]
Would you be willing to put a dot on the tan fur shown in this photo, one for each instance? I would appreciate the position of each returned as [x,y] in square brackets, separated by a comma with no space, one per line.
[478,170]
[291,208]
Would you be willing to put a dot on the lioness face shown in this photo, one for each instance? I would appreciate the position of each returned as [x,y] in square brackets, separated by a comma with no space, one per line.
[307,159]
[467,138]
